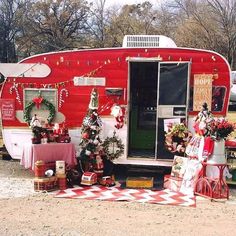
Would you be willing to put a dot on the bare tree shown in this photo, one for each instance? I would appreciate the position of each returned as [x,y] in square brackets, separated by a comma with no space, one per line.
[97,24]
[195,25]
[8,29]
[207,24]
[224,15]
[166,21]
[132,19]
[54,25]
[34,26]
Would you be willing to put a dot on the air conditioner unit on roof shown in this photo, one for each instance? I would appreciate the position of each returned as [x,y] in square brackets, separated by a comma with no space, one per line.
[148,41]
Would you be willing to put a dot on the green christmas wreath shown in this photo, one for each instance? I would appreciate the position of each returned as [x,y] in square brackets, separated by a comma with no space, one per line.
[30,105]
[113,147]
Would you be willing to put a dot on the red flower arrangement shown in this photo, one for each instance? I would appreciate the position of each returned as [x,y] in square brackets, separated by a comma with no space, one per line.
[219,128]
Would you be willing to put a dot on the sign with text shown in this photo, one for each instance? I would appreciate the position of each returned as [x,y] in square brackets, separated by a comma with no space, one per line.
[7,109]
[202,91]
[89,81]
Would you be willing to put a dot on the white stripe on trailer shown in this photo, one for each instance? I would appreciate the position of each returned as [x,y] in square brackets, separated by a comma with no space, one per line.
[37,70]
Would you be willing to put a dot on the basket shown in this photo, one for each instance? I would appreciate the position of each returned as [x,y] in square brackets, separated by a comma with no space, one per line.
[45,184]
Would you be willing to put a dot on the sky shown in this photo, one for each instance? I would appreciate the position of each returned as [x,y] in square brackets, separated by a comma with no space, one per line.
[129,1]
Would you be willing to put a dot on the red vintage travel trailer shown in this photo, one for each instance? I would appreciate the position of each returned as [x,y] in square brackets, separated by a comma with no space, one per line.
[150,77]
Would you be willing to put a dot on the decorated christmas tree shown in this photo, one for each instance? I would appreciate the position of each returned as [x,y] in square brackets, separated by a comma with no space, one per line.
[91,149]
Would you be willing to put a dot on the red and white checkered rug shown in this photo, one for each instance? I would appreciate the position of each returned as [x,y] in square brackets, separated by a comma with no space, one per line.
[165,197]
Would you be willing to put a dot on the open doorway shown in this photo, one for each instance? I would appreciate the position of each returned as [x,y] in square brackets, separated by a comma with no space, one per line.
[143,102]
[157,91]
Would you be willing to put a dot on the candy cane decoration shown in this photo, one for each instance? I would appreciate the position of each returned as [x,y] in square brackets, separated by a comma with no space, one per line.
[15,87]
[61,100]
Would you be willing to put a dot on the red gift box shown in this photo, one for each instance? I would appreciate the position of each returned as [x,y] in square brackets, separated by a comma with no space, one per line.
[172,182]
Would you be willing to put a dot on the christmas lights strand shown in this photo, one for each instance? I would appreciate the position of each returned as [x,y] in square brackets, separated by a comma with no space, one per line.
[61,99]
[56,85]
[106,106]
[15,87]
[31,68]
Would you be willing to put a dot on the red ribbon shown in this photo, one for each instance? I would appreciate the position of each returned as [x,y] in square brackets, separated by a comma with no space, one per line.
[37,101]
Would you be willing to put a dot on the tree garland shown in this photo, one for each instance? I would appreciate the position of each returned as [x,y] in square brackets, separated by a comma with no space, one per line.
[113,147]
[49,105]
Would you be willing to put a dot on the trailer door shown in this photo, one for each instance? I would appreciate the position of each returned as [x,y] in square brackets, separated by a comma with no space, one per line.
[157,91]
[172,101]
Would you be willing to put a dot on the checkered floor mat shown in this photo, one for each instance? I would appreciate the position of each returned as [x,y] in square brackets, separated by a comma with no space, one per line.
[165,197]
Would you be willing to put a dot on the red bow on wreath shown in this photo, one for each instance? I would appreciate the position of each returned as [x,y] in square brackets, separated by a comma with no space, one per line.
[37,101]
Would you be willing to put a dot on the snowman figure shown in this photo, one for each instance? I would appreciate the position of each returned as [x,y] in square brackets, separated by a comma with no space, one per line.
[35,122]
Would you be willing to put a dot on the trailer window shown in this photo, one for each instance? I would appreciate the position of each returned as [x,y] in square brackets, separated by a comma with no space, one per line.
[48,94]
[218,98]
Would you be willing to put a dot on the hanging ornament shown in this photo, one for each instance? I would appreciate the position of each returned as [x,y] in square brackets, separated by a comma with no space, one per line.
[93,127]
[96,142]
[87,121]
[87,152]
[85,135]
[15,87]
[61,99]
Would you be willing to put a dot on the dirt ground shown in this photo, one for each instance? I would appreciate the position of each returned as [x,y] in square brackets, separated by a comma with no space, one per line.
[24,212]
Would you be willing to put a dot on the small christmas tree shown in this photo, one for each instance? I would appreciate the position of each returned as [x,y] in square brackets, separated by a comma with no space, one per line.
[91,149]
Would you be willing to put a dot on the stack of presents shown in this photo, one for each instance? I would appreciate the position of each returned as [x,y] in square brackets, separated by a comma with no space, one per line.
[184,175]
[58,175]
[190,177]
[50,176]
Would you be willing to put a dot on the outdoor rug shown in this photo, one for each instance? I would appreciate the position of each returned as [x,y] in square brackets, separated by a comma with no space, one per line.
[164,197]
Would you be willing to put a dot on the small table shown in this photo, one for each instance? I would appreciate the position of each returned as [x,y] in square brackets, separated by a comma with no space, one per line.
[48,153]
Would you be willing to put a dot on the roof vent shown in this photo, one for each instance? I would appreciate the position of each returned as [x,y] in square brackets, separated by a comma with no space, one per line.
[148,41]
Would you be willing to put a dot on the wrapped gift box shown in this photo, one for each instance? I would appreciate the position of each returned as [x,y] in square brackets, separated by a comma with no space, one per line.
[172,182]
[39,169]
[45,184]
[179,166]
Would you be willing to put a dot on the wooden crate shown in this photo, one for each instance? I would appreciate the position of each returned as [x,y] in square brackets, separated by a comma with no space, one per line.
[139,182]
